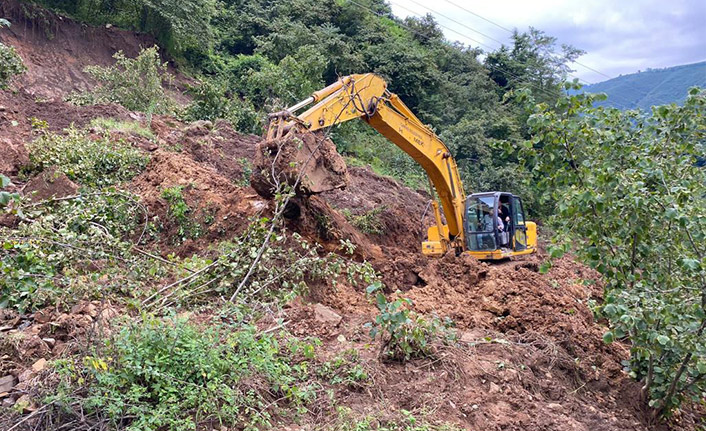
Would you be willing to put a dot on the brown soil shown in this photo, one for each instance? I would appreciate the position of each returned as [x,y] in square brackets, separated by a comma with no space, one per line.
[49,184]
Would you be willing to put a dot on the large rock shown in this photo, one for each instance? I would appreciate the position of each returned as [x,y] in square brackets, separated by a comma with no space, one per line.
[6,384]
[326,315]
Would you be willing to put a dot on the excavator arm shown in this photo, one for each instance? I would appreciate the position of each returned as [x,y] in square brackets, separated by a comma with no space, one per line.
[366,96]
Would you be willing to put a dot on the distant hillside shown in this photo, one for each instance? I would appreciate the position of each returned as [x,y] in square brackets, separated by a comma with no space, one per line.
[652,87]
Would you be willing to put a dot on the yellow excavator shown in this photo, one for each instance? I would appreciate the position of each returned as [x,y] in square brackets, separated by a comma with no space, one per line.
[489,226]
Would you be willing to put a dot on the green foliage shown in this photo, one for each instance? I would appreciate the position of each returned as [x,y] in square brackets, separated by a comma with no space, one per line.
[407,335]
[135,83]
[90,161]
[181,213]
[533,63]
[211,102]
[344,369]
[369,221]
[168,374]
[7,197]
[244,180]
[629,195]
[11,63]
[48,259]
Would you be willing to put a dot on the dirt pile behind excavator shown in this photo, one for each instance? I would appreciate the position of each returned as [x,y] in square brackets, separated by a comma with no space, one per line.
[307,161]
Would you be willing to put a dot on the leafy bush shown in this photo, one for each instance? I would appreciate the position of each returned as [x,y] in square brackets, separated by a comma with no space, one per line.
[180,212]
[168,374]
[11,64]
[5,196]
[629,194]
[135,83]
[408,335]
[210,102]
[48,259]
[344,369]
[91,162]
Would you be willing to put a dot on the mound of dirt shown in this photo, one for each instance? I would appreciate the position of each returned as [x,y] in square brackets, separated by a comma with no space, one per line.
[402,208]
[219,207]
[49,184]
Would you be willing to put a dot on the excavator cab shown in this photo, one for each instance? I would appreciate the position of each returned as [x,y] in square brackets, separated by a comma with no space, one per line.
[496,226]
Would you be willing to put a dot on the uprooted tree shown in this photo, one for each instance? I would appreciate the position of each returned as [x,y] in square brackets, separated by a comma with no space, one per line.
[629,193]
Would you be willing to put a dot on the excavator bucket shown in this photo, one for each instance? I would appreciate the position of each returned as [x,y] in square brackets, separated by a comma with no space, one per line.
[307,161]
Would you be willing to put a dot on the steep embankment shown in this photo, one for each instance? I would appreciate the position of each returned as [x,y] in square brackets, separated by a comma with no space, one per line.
[530,354]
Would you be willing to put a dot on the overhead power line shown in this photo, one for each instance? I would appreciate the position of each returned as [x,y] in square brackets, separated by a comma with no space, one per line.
[463,35]
[497,69]
[457,22]
[582,81]
[512,32]
[479,16]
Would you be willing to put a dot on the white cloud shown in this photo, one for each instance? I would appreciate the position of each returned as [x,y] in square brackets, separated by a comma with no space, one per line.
[620,36]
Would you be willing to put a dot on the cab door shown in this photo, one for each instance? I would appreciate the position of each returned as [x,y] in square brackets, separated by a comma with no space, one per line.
[520,227]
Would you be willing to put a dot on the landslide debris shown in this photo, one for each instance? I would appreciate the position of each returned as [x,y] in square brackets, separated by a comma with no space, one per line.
[306,160]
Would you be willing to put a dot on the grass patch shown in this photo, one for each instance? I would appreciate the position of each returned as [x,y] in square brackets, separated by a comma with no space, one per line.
[367,222]
[128,127]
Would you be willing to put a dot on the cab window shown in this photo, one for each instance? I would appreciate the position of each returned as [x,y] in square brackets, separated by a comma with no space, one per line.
[479,216]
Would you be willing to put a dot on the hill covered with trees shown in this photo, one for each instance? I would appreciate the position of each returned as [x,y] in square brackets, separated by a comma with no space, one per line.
[651,87]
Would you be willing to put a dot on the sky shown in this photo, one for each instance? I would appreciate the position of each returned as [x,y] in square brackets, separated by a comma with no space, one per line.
[619,36]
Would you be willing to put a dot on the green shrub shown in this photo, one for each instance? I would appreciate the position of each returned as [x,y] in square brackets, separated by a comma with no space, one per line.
[344,369]
[135,83]
[629,196]
[168,374]
[11,64]
[407,335]
[181,213]
[89,161]
[48,259]
[5,196]
[211,102]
